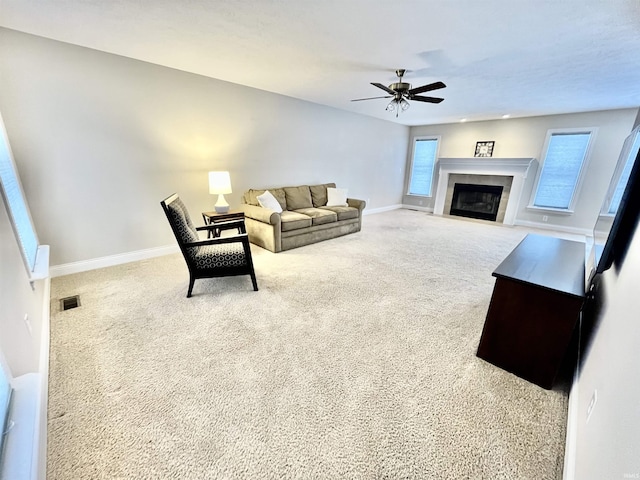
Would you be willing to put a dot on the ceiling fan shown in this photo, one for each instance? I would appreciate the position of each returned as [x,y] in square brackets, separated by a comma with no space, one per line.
[401,91]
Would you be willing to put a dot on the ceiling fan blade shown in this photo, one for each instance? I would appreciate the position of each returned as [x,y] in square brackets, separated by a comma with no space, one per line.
[426,99]
[370,98]
[386,89]
[427,88]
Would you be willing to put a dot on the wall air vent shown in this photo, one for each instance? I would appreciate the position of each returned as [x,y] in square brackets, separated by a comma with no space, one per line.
[68,303]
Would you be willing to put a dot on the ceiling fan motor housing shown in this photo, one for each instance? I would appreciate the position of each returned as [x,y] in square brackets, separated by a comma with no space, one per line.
[400,87]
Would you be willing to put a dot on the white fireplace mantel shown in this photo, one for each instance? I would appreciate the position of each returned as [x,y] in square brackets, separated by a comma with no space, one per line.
[511,167]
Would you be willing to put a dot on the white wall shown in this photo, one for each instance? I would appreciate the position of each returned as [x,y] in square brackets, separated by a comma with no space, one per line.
[20,345]
[100,139]
[608,445]
[524,138]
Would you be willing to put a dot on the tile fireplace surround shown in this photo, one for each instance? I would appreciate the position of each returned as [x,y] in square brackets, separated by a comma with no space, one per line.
[517,168]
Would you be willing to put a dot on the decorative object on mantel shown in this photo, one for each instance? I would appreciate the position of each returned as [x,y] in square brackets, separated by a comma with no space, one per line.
[484,149]
[220,183]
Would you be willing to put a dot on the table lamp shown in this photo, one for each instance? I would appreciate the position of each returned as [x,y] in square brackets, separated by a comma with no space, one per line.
[220,183]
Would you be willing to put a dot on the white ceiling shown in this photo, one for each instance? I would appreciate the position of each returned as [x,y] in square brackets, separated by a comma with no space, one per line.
[516,57]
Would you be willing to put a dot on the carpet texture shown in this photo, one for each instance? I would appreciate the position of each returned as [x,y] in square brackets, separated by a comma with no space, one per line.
[356,359]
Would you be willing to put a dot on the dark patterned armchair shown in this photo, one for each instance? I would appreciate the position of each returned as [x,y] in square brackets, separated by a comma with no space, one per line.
[213,257]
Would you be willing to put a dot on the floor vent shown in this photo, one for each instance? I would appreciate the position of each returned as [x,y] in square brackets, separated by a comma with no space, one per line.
[70,302]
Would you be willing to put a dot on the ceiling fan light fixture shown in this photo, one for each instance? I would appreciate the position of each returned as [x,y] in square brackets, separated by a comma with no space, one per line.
[404,105]
[391,107]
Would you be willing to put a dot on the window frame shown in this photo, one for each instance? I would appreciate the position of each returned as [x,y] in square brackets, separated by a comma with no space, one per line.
[35,261]
[592,131]
[414,142]
[5,406]
[625,154]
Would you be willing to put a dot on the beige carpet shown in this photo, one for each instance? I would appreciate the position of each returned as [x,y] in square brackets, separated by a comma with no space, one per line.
[356,360]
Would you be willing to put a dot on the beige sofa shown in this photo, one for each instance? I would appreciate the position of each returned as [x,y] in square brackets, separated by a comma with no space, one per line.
[305,217]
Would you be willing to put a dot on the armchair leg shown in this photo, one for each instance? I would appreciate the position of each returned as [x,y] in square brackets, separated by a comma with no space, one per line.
[191,282]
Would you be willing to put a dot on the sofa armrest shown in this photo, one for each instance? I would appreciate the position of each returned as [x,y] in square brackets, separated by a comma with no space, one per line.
[261,214]
[354,202]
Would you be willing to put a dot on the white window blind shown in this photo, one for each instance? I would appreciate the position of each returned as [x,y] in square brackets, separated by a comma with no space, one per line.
[624,176]
[561,169]
[422,165]
[5,396]
[15,203]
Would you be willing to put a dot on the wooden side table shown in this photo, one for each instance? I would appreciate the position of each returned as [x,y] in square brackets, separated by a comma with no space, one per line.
[214,218]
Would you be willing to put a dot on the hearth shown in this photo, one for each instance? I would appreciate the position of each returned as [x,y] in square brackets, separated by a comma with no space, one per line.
[476,201]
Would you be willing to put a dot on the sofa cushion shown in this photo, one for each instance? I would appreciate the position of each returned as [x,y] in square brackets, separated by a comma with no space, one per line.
[344,213]
[250,196]
[294,221]
[298,197]
[319,194]
[319,216]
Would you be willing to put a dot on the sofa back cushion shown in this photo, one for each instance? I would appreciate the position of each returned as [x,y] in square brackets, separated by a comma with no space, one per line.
[250,196]
[298,197]
[319,194]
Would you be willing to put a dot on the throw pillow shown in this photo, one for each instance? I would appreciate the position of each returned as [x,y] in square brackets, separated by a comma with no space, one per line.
[267,200]
[336,197]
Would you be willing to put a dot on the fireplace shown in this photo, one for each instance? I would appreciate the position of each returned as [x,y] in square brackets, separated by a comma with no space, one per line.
[510,173]
[476,201]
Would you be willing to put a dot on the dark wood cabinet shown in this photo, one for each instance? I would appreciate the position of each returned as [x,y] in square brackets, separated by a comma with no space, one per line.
[535,305]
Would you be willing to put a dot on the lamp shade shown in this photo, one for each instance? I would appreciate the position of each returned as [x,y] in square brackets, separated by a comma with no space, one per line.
[219,182]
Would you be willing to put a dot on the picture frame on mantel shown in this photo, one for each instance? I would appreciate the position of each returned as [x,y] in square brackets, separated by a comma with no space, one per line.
[484,148]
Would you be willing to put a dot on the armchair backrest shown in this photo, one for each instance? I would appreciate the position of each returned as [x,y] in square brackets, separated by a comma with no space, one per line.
[179,219]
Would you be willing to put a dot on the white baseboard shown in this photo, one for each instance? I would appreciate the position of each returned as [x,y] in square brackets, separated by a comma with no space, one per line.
[39,459]
[421,209]
[557,228]
[111,260]
[119,259]
[371,211]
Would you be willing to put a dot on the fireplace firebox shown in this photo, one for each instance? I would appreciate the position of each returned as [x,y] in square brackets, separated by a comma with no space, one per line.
[476,201]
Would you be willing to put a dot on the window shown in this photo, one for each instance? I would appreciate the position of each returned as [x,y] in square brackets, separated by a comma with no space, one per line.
[5,397]
[425,151]
[16,205]
[559,178]
[621,175]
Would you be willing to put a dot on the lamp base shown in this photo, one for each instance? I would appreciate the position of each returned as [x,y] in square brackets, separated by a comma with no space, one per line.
[221,205]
